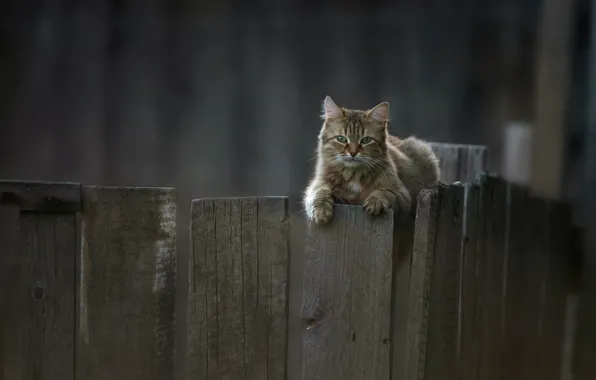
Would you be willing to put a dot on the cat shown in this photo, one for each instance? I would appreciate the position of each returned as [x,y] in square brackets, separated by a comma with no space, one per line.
[359,162]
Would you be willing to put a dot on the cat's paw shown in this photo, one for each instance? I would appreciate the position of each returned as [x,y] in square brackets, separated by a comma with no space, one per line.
[375,205]
[322,212]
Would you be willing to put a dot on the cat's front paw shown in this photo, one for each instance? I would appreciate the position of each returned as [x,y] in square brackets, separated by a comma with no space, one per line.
[375,205]
[322,212]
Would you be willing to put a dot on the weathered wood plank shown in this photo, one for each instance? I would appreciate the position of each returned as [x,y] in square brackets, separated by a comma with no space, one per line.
[434,323]
[443,321]
[513,304]
[9,259]
[534,270]
[470,329]
[460,162]
[420,285]
[127,286]
[402,259]
[555,291]
[39,315]
[271,233]
[238,295]
[41,196]
[347,297]
[494,250]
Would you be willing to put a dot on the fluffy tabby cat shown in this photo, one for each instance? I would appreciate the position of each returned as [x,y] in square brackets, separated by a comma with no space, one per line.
[359,162]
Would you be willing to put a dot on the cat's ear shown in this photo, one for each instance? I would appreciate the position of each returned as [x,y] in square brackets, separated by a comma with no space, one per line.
[379,113]
[330,110]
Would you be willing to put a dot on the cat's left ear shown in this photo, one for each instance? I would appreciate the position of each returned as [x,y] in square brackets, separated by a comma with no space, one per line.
[379,113]
[331,110]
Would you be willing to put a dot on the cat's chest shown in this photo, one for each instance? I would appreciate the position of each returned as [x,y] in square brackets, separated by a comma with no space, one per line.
[354,187]
[352,192]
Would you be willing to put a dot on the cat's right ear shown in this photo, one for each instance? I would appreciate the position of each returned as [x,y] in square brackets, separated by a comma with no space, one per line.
[331,110]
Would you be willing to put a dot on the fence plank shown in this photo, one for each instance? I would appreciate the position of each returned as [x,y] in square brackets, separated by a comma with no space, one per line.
[460,162]
[534,270]
[347,297]
[238,294]
[470,329]
[40,313]
[443,321]
[420,284]
[494,223]
[402,258]
[514,301]
[127,286]
[435,285]
[552,337]
[41,196]
[9,223]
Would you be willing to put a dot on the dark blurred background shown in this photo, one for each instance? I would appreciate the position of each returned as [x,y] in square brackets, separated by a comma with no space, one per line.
[223,98]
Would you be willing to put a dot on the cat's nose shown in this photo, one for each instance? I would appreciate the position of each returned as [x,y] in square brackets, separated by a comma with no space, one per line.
[353,153]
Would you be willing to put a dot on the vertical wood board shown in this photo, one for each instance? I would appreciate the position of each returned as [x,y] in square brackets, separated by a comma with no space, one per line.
[127,283]
[347,297]
[238,291]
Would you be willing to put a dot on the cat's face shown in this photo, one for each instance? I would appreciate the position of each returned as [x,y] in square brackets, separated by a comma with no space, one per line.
[352,137]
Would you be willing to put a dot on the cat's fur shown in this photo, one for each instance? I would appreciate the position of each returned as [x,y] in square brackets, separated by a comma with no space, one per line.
[379,174]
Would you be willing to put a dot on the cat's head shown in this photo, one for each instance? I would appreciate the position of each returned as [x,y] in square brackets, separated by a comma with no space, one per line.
[353,137]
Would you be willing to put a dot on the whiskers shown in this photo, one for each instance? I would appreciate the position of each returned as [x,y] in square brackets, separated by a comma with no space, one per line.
[371,166]
[374,166]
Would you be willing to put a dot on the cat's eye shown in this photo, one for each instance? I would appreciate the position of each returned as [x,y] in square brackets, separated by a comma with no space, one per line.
[342,139]
[365,140]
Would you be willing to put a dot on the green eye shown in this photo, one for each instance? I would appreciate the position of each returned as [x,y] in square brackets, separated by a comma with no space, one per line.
[342,139]
[365,140]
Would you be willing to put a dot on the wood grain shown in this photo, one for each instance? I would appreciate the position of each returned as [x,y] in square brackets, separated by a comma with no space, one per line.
[420,285]
[39,315]
[472,256]
[443,320]
[494,255]
[347,297]
[458,163]
[238,296]
[403,241]
[513,306]
[41,196]
[127,286]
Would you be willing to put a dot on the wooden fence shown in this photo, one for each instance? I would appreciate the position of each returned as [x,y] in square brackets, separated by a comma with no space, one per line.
[475,289]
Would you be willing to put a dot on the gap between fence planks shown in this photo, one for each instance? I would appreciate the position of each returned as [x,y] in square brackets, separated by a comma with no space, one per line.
[238,296]
[347,297]
[127,284]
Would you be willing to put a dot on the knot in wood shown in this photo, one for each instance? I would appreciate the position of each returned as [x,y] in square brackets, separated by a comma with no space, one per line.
[312,323]
[38,293]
